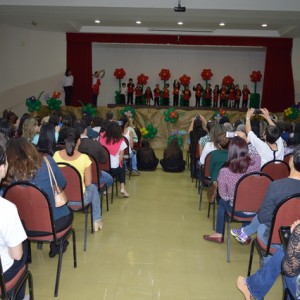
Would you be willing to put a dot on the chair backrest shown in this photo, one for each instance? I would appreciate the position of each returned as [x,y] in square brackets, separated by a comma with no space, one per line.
[285,214]
[95,170]
[197,155]
[105,166]
[277,169]
[287,158]
[74,188]
[34,207]
[126,150]
[206,173]
[250,191]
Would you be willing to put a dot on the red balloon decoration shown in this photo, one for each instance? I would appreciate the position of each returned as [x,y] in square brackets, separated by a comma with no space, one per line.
[56,95]
[255,76]
[119,73]
[228,80]
[206,74]
[164,74]
[142,79]
[185,80]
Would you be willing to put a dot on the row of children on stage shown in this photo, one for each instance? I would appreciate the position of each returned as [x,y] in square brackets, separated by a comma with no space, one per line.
[226,96]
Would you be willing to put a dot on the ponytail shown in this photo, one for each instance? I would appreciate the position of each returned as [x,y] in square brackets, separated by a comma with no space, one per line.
[72,136]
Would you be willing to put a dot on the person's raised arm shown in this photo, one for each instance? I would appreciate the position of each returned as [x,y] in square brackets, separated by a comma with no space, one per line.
[249,114]
[192,125]
[265,113]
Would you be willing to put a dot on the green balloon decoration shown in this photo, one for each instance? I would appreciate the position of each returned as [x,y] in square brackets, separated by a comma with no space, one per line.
[150,132]
[118,97]
[128,111]
[34,104]
[88,109]
[171,115]
[54,103]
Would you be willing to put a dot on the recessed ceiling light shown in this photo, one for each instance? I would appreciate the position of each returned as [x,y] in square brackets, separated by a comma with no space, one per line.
[222,24]
[97,21]
[138,22]
[264,25]
[180,23]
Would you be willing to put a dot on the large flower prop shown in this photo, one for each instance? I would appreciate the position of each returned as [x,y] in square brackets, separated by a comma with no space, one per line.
[206,75]
[128,111]
[119,73]
[164,75]
[34,104]
[219,114]
[185,80]
[171,115]
[54,103]
[142,79]
[292,112]
[228,80]
[88,109]
[149,132]
[255,77]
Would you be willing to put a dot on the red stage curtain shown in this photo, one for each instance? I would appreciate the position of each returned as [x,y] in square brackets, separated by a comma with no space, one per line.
[79,59]
[278,89]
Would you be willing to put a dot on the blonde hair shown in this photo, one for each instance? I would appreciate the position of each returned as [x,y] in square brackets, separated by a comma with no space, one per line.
[28,128]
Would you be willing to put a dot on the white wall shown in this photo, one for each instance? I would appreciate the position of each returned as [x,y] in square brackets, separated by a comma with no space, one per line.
[236,62]
[31,61]
[296,67]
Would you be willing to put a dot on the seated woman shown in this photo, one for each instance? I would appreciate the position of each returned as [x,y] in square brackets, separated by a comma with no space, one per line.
[83,164]
[238,164]
[31,129]
[259,284]
[113,140]
[13,245]
[146,158]
[173,158]
[25,163]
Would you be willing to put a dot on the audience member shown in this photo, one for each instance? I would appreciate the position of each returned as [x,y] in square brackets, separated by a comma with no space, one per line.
[146,158]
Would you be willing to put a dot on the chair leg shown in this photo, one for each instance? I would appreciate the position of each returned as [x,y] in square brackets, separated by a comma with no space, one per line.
[228,241]
[107,205]
[200,197]
[30,286]
[250,258]
[214,214]
[74,249]
[59,263]
[85,230]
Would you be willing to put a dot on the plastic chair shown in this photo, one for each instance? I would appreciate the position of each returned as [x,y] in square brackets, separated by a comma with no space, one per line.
[106,167]
[95,180]
[245,200]
[10,289]
[205,179]
[277,169]
[286,213]
[35,211]
[74,192]
[287,158]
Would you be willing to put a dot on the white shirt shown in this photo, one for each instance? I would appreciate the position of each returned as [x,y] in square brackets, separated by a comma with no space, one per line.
[115,159]
[68,80]
[12,232]
[209,147]
[263,149]
[123,90]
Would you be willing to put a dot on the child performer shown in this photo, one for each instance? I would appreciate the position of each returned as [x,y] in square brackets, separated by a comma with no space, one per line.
[207,95]
[98,75]
[130,90]
[166,95]
[216,93]
[148,95]
[176,90]
[237,96]
[223,96]
[198,92]
[245,98]
[156,92]
[123,93]
[187,95]
[138,95]
[231,95]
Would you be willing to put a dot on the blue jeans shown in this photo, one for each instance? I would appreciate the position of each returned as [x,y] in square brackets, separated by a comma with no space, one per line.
[91,195]
[252,227]
[106,178]
[223,207]
[261,282]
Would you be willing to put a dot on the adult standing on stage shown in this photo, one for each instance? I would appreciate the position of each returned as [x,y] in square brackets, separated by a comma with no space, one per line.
[68,82]
[98,75]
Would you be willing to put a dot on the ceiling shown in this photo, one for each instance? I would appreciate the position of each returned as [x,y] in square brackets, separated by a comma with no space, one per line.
[241,17]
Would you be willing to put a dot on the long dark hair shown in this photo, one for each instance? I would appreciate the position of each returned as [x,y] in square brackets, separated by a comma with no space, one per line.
[71,139]
[47,142]
[238,155]
[173,150]
[113,133]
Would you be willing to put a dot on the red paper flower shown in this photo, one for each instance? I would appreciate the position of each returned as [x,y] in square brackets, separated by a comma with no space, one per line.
[56,95]
[255,76]
[119,73]
[165,74]
[228,80]
[222,112]
[206,74]
[185,80]
[142,79]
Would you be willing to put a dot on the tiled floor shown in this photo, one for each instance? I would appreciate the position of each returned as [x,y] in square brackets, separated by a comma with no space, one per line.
[151,247]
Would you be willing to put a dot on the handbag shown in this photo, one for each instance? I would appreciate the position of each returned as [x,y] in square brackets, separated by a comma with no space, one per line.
[60,198]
